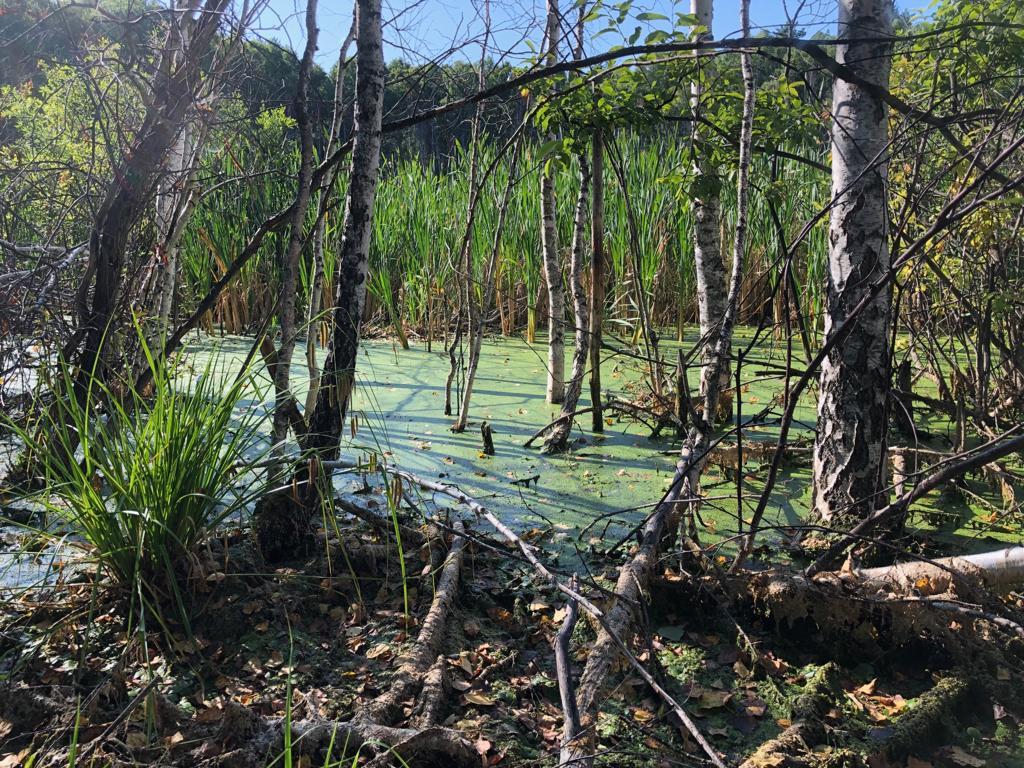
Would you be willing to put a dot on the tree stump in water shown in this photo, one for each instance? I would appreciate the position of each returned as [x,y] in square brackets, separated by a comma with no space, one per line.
[488,438]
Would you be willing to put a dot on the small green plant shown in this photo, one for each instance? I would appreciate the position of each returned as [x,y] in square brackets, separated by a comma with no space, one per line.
[144,479]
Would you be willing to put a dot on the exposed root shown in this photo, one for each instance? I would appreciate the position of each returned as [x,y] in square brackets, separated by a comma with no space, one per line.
[312,738]
[929,718]
[430,705]
[792,747]
[415,662]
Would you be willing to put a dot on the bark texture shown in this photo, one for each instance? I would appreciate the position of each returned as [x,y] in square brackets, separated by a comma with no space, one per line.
[707,236]
[849,451]
[316,293]
[284,404]
[597,289]
[338,377]
[549,245]
[283,517]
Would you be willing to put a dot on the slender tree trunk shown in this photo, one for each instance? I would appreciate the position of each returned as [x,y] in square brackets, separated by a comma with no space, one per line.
[549,244]
[597,289]
[707,238]
[285,407]
[174,198]
[849,451]
[281,524]
[635,574]
[474,312]
[476,341]
[558,437]
[313,320]
[336,382]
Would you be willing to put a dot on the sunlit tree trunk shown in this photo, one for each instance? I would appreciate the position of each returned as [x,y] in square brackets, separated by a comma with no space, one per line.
[313,319]
[850,447]
[597,289]
[474,313]
[707,238]
[285,407]
[487,299]
[549,245]
[281,524]
[336,381]
[557,438]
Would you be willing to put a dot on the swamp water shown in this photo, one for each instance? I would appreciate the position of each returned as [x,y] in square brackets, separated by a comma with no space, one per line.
[603,486]
[617,477]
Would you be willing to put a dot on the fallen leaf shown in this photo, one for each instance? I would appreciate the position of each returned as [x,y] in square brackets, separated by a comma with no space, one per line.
[868,688]
[643,715]
[480,699]
[483,746]
[379,651]
[714,699]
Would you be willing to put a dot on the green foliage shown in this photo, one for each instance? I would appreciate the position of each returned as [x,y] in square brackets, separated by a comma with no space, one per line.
[144,480]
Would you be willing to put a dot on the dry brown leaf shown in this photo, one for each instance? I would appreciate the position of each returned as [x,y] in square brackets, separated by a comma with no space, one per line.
[868,688]
[379,651]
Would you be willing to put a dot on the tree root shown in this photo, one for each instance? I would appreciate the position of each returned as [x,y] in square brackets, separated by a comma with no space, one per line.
[415,662]
[930,716]
[791,748]
[385,526]
[875,614]
[411,746]
[421,669]
[436,686]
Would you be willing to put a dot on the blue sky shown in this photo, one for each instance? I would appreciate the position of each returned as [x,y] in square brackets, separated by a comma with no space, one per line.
[420,29]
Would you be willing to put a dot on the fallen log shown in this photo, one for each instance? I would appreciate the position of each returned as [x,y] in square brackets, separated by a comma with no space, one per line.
[929,718]
[955,467]
[998,570]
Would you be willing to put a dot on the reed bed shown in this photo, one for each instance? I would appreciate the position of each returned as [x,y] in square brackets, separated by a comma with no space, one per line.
[420,221]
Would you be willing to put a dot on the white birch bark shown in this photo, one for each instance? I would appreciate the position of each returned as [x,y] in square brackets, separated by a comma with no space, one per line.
[556,439]
[707,237]
[549,245]
[850,446]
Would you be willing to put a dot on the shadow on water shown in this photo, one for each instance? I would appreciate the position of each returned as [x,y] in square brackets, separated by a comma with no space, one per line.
[399,401]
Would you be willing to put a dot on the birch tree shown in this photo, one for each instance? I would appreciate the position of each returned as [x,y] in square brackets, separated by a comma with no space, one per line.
[707,237]
[850,446]
[549,243]
[558,437]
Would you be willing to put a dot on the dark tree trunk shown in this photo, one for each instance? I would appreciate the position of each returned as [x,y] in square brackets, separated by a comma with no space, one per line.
[286,522]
